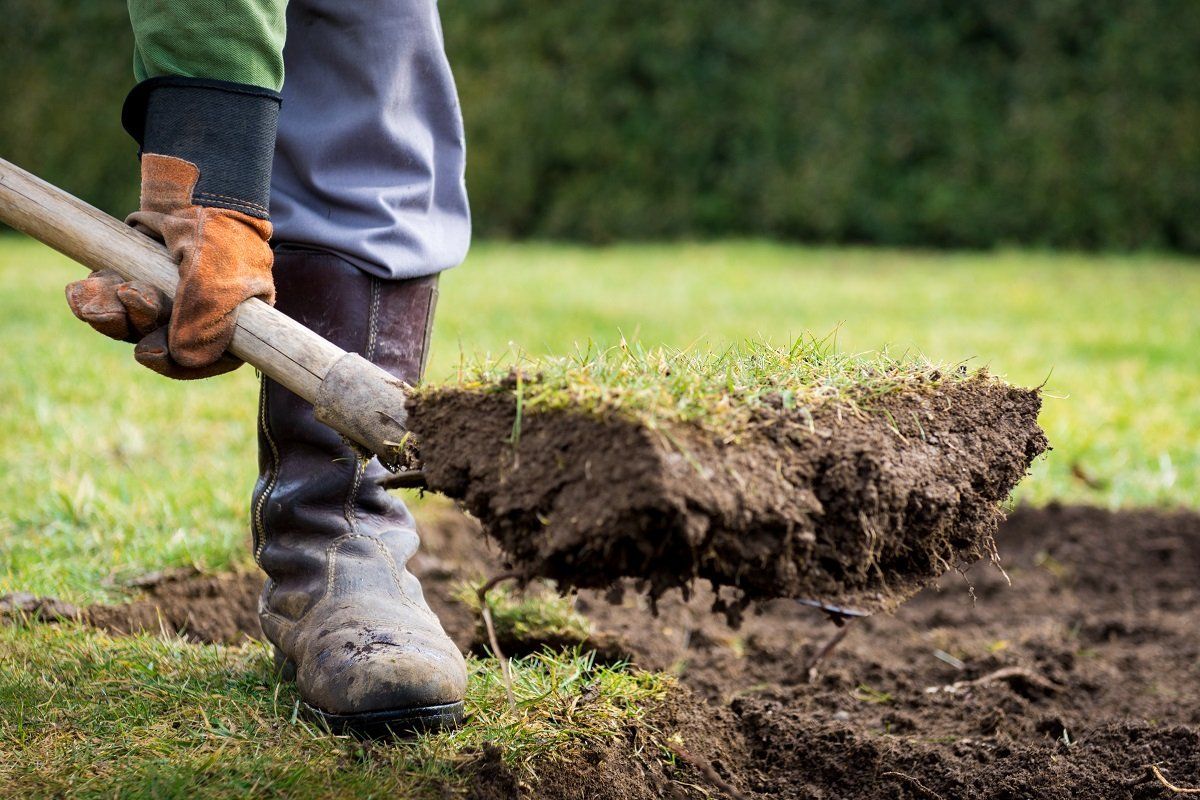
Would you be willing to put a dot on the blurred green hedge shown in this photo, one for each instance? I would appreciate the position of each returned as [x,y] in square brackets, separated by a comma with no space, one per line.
[932,122]
[64,71]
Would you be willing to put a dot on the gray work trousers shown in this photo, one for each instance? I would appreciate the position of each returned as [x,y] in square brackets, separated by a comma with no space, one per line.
[370,154]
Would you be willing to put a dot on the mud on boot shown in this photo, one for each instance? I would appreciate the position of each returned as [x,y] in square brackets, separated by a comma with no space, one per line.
[347,618]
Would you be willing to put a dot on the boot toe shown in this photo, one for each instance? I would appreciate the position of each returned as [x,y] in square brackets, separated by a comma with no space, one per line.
[373,669]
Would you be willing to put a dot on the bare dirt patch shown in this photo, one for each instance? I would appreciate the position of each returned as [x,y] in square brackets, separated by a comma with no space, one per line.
[851,508]
[223,608]
[1070,683]
[212,609]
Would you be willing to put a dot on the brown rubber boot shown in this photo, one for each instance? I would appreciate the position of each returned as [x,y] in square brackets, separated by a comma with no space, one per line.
[347,618]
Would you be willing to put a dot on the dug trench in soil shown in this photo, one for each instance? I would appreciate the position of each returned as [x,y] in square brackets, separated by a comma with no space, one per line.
[1068,683]
[848,507]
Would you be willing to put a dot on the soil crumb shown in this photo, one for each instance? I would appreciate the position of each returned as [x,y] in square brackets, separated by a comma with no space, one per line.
[849,508]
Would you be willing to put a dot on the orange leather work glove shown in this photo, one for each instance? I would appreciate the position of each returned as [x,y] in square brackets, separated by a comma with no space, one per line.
[223,259]
[216,230]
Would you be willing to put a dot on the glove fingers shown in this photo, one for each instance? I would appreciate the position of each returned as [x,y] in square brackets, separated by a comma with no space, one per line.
[94,300]
[152,352]
[148,309]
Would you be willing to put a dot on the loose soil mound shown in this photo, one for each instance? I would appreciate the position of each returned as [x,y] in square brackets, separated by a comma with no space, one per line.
[851,508]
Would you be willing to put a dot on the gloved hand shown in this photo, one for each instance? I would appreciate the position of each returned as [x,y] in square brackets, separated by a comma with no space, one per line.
[204,189]
[223,259]
[131,311]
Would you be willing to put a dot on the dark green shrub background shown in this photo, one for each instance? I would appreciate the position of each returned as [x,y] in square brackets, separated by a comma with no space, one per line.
[941,122]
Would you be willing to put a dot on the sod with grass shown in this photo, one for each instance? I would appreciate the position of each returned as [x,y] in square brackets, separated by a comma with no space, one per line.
[779,472]
[110,473]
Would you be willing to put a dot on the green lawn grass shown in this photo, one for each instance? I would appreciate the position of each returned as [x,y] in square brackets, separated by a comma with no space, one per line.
[107,470]
[87,715]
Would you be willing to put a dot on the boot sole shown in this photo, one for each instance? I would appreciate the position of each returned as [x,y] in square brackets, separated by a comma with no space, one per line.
[390,723]
[395,723]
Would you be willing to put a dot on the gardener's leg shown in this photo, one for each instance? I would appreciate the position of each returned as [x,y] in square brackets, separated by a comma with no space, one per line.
[369,158]
[369,206]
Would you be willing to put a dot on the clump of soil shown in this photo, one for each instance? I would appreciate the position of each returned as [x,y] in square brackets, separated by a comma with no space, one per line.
[851,508]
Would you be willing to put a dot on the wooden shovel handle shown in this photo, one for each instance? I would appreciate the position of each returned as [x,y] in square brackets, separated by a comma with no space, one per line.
[351,395]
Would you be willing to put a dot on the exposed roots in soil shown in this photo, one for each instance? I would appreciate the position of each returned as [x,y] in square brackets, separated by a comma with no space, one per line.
[1157,773]
[485,611]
